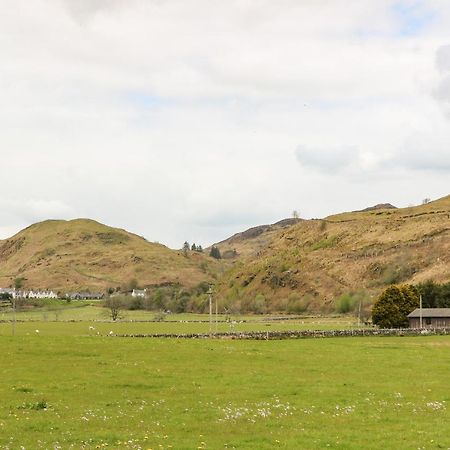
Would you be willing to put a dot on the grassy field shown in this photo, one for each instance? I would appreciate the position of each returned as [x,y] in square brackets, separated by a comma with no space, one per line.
[61,391]
[84,319]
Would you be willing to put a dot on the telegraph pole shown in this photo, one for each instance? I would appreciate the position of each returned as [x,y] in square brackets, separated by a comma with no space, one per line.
[14,315]
[359,313]
[420,315]
[217,320]
[210,309]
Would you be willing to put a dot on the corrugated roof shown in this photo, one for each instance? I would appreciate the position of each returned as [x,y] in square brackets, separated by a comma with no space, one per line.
[431,312]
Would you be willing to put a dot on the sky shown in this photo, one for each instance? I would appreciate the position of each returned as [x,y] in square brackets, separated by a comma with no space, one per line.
[196,119]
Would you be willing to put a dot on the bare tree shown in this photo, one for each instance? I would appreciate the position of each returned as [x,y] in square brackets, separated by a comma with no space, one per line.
[115,304]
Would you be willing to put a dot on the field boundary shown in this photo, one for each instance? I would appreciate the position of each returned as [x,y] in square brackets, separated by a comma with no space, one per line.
[295,334]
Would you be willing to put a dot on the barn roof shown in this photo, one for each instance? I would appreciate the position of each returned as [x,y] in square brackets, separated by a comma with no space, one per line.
[431,312]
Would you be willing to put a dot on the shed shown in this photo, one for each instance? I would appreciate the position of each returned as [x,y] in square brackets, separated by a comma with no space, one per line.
[431,318]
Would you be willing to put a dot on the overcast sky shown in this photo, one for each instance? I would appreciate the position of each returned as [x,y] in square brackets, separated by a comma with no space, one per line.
[195,119]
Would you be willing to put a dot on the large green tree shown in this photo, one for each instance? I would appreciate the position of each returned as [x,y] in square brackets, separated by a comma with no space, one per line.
[435,295]
[392,307]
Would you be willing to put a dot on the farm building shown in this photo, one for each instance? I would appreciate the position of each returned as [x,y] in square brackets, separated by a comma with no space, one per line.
[85,295]
[431,318]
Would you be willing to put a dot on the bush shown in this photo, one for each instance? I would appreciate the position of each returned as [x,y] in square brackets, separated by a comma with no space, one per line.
[159,316]
[257,305]
[357,302]
[346,303]
[325,243]
[296,304]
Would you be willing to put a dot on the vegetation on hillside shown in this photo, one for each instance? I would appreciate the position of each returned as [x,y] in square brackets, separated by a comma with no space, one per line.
[313,263]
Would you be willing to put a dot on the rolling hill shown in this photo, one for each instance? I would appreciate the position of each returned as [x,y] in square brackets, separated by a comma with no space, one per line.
[318,260]
[84,254]
[311,262]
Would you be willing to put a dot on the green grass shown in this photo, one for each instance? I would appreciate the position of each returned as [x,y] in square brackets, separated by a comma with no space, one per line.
[93,392]
[78,319]
[104,328]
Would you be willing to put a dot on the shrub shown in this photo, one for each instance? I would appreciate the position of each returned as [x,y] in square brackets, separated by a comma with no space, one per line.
[325,243]
[159,316]
[345,303]
[257,305]
[296,304]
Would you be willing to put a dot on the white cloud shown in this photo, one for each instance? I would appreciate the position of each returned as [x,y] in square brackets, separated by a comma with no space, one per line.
[179,119]
[423,152]
[328,160]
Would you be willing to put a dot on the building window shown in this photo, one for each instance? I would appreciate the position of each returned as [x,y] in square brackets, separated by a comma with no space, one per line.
[428,321]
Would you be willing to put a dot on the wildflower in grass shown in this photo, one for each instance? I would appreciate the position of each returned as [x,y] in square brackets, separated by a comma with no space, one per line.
[435,406]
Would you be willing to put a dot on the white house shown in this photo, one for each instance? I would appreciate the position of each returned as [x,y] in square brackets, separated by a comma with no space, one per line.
[41,294]
[139,293]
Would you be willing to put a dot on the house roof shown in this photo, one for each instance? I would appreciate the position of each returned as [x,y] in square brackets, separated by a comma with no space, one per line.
[431,312]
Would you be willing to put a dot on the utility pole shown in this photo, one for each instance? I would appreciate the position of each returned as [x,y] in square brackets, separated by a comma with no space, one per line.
[359,313]
[420,314]
[210,309]
[14,315]
[217,320]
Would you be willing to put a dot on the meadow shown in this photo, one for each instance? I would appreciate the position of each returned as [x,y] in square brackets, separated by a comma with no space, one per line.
[90,318]
[64,388]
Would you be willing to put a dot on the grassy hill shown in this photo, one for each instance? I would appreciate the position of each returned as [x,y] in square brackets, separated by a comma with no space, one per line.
[84,254]
[294,263]
[313,262]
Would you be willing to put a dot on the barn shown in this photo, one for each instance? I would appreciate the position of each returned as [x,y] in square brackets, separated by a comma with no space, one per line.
[431,318]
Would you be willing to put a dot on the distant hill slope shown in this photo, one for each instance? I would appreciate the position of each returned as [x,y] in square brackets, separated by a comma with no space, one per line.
[85,254]
[379,206]
[347,252]
[248,243]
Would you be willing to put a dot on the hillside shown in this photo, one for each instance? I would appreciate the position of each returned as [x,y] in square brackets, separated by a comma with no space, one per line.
[250,242]
[318,260]
[84,254]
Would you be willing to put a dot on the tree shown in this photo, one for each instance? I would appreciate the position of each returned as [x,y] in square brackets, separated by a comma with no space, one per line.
[115,304]
[392,307]
[434,295]
[186,248]
[215,252]
[158,299]
[18,282]
[194,247]
[295,214]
